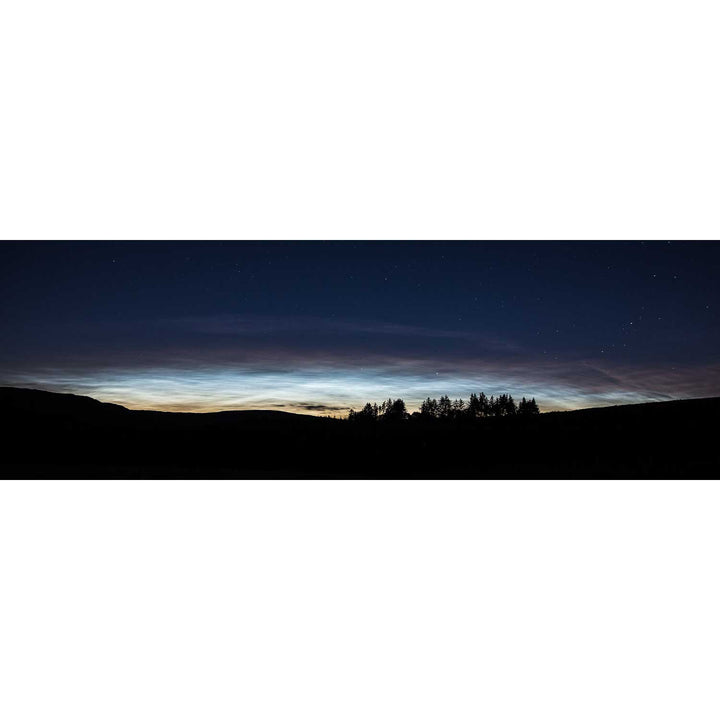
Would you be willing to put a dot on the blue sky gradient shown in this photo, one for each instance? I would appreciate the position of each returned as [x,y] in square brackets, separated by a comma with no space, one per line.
[323,327]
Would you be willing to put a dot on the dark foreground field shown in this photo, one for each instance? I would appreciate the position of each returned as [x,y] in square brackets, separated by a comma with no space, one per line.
[52,435]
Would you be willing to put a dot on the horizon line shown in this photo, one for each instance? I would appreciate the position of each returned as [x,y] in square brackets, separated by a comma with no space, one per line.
[278,407]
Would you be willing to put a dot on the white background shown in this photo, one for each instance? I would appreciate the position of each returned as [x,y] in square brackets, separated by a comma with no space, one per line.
[359,599]
[378,600]
[374,119]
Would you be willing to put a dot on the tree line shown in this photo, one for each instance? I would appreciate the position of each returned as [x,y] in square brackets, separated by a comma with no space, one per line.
[478,406]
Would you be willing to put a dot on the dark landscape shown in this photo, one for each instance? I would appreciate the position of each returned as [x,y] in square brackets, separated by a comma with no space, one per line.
[56,435]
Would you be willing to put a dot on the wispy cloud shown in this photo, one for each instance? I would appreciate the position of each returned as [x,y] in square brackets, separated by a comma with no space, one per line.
[238,361]
[265,325]
[333,388]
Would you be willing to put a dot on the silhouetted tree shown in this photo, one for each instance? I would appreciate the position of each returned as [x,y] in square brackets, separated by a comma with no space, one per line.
[504,405]
[458,408]
[528,407]
[510,407]
[395,411]
[478,406]
[493,408]
[473,406]
[429,408]
[484,405]
[445,408]
[368,414]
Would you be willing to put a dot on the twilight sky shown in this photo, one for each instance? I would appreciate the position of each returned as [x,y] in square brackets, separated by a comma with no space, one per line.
[319,327]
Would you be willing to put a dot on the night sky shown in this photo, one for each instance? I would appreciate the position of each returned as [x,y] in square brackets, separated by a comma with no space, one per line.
[319,327]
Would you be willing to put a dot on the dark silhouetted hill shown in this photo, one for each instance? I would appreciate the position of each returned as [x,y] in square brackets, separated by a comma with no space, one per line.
[53,435]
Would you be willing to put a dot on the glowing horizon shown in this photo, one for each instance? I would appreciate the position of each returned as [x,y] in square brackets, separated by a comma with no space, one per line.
[334,392]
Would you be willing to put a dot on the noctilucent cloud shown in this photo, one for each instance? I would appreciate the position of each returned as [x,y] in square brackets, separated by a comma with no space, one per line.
[320,327]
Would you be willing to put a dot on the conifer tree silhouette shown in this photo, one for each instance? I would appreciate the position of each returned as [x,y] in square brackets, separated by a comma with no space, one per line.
[396,411]
[478,406]
[475,407]
[484,405]
[429,408]
[458,408]
[445,408]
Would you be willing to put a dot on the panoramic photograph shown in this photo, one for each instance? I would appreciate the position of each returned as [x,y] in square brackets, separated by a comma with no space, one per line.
[344,359]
